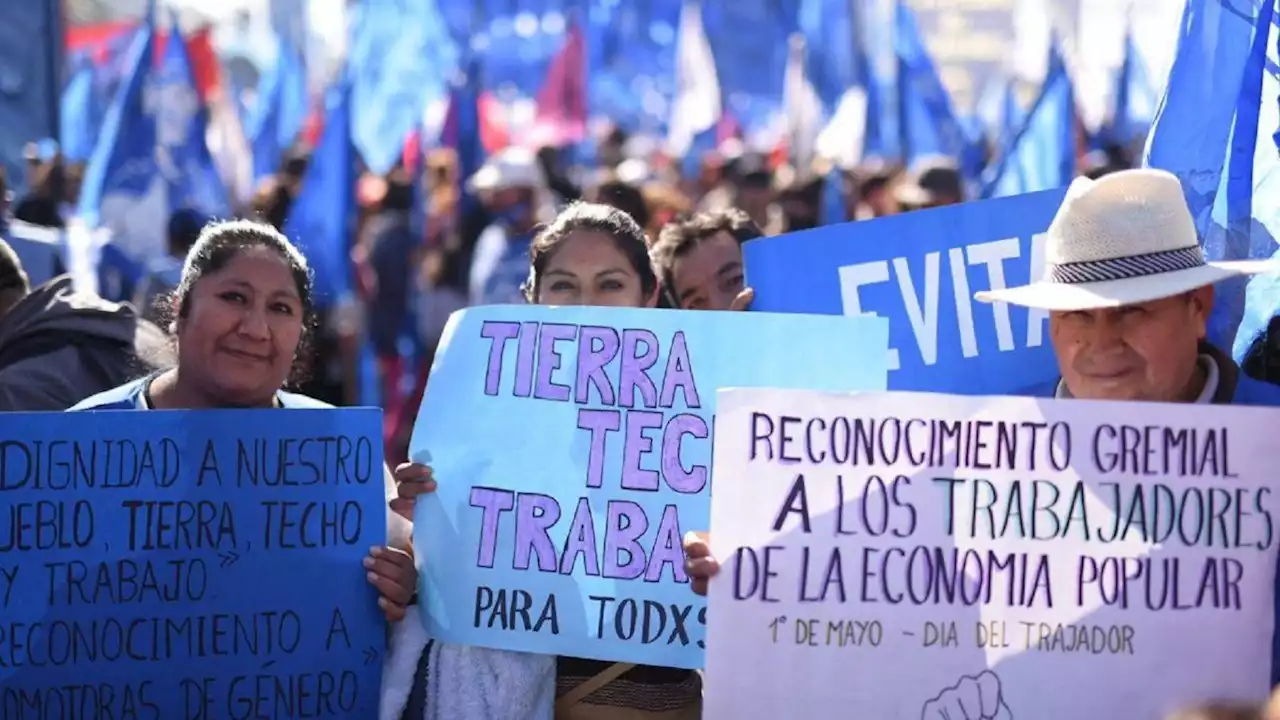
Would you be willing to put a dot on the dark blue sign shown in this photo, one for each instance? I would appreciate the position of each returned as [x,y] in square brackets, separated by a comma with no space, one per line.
[190,565]
[920,270]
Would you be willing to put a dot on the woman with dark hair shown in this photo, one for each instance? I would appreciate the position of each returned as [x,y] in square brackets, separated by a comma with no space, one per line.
[589,255]
[242,314]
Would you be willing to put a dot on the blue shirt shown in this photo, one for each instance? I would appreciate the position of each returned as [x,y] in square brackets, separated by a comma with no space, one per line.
[133,396]
[499,267]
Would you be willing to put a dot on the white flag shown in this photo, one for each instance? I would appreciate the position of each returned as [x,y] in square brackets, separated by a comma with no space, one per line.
[696,107]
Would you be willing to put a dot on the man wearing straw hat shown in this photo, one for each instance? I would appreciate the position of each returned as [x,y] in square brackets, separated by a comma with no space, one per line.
[1129,294]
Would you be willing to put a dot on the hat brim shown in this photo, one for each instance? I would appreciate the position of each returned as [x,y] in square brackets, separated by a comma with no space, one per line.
[490,178]
[913,195]
[1067,297]
[486,178]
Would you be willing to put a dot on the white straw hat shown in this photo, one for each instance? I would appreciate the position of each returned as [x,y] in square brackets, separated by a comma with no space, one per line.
[511,167]
[1124,239]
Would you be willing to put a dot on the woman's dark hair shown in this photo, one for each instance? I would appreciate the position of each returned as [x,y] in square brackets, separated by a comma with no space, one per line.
[222,241]
[626,198]
[1262,359]
[591,217]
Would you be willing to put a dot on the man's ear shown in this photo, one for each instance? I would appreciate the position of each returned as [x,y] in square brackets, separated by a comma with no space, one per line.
[1201,302]
[174,310]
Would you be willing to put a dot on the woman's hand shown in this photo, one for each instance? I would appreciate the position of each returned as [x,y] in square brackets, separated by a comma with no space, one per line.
[742,301]
[393,573]
[412,479]
[698,563]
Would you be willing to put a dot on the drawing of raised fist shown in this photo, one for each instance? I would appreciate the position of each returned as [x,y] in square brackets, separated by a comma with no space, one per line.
[972,698]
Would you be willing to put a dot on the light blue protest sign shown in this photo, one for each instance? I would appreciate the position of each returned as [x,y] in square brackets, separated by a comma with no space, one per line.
[573,449]
[920,270]
[190,565]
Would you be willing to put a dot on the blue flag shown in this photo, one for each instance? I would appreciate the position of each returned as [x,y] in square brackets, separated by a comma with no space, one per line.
[31,39]
[80,113]
[928,121]
[401,55]
[182,153]
[834,209]
[1135,98]
[838,62]
[1214,130]
[279,112]
[1043,154]
[319,221]
[122,190]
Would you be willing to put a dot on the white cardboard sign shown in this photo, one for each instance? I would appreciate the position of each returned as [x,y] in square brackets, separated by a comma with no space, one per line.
[910,555]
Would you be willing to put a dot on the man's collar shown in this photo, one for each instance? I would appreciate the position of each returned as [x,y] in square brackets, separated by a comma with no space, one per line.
[1228,374]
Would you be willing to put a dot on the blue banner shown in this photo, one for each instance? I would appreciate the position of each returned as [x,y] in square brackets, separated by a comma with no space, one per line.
[920,270]
[192,565]
[39,249]
[573,450]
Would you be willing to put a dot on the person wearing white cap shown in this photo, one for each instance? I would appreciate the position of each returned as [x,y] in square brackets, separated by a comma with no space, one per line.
[1129,294]
[509,184]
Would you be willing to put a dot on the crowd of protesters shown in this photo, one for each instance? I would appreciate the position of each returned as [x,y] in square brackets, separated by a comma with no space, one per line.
[523,228]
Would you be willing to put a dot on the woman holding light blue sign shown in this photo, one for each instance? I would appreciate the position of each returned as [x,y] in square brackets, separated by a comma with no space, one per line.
[591,255]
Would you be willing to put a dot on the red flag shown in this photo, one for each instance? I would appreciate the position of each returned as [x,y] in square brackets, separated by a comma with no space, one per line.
[96,39]
[495,123]
[313,126]
[561,117]
[411,155]
[93,37]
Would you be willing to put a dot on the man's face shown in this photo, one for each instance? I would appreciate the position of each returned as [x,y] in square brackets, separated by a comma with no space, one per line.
[1146,351]
[754,201]
[709,276]
[504,198]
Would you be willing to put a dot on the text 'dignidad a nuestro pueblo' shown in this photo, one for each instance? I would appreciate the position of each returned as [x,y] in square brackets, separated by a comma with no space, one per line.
[194,565]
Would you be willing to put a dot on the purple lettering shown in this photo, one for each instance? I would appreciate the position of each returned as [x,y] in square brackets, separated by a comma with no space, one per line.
[626,525]
[535,515]
[689,481]
[582,541]
[634,447]
[597,347]
[525,353]
[667,549]
[492,502]
[549,360]
[498,333]
[633,375]
[679,375]
[600,423]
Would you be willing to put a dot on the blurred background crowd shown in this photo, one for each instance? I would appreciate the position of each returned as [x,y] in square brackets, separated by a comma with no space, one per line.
[410,146]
